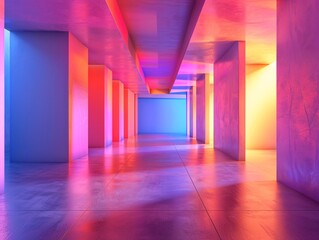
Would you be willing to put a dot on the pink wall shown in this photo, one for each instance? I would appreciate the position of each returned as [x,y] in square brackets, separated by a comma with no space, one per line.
[1,96]
[188,114]
[192,113]
[118,111]
[298,96]
[229,102]
[129,116]
[108,117]
[78,98]
[100,106]
[202,108]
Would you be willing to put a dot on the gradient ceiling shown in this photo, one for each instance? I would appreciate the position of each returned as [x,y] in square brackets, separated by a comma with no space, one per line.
[146,43]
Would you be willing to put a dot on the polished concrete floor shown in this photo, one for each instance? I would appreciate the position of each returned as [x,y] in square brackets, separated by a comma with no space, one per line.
[154,187]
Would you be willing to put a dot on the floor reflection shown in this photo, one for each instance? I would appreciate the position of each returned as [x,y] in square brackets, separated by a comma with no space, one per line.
[154,187]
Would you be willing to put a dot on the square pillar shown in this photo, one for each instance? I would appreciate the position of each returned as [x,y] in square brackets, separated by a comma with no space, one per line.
[129,113]
[48,97]
[192,112]
[298,96]
[202,108]
[100,106]
[229,102]
[135,114]
[188,113]
[118,111]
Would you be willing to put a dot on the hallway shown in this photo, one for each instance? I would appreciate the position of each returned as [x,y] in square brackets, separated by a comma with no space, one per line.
[154,187]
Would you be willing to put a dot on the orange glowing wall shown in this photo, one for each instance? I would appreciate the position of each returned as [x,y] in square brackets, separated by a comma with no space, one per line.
[100,106]
[261,106]
[118,111]
[129,109]
[78,98]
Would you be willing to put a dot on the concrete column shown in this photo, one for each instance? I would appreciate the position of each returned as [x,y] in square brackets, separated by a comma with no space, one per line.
[188,114]
[100,106]
[135,114]
[298,96]
[202,108]
[192,122]
[48,97]
[229,102]
[129,113]
[118,111]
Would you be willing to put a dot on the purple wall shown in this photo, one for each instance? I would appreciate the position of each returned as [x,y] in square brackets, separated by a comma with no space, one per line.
[188,114]
[298,96]
[202,108]
[42,100]
[229,102]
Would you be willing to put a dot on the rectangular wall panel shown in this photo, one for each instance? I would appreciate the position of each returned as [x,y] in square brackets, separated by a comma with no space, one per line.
[48,97]
[96,106]
[108,117]
[135,114]
[192,122]
[39,97]
[229,102]
[78,98]
[118,111]
[188,114]
[129,120]
[100,106]
[298,96]
[202,108]
[162,115]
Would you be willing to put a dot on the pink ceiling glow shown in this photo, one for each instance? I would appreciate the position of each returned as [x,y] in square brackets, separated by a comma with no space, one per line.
[148,43]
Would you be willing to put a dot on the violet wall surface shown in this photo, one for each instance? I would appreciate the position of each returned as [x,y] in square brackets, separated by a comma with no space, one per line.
[229,102]
[298,96]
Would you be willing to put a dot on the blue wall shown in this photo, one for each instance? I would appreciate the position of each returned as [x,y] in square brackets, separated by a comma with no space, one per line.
[162,115]
[7,92]
[39,96]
